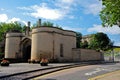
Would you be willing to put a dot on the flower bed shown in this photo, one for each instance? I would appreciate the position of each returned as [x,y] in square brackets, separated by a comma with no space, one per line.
[44,62]
[4,63]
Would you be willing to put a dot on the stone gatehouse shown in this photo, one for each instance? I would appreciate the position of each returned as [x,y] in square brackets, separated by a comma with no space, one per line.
[50,42]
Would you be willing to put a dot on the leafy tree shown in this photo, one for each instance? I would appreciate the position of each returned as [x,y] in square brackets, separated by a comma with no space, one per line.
[78,39]
[110,14]
[84,44]
[47,23]
[99,41]
[5,27]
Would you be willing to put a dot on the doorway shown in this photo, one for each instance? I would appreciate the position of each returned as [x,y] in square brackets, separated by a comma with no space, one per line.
[26,49]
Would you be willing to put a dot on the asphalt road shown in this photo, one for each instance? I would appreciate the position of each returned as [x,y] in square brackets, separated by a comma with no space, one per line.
[81,73]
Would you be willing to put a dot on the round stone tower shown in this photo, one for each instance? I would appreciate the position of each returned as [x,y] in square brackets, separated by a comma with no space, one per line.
[42,43]
[12,44]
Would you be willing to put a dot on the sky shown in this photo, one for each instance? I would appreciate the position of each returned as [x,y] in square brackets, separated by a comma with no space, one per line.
[77,15]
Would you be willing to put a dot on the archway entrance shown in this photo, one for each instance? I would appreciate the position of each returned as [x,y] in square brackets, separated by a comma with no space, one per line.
[27,53]
[26,49]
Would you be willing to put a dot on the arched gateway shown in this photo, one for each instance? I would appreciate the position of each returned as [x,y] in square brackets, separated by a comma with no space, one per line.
[25,49]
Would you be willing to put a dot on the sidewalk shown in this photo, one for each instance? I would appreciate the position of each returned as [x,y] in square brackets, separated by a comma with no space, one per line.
[26,67]
[108,76]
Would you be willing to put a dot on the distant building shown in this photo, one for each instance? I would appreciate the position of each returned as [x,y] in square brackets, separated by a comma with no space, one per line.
[86,38]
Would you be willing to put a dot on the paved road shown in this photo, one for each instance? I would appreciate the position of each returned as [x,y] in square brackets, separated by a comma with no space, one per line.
[81,73]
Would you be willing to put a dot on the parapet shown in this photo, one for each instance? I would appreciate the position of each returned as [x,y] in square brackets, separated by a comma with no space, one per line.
[12,34]
[53,30]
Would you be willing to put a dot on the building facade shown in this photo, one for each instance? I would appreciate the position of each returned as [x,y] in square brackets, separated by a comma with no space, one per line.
[49,42]
[45,42]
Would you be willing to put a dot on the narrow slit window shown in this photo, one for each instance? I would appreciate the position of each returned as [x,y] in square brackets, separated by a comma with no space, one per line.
[61,50]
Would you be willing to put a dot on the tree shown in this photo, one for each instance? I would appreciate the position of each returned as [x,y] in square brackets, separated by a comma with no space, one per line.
[99,41]
[78,39]
[110,14]
[84,44]
[5,27]
[47,23]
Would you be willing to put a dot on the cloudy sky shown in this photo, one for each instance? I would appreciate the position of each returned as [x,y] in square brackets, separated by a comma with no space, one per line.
[77,15]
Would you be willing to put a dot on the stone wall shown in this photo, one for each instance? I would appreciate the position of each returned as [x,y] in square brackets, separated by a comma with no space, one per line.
[86,55]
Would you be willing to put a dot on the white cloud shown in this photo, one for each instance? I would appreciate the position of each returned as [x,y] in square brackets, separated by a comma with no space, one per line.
[17,19]
[67,1]
[71,17]
[93,9]
[45,12]
[24,8]
[59,10]
[65,4]
[3,17]
[2,9]
[91,6]
[14,19]
[109,30]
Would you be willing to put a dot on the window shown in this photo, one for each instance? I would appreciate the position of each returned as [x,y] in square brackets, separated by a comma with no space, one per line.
[61,50]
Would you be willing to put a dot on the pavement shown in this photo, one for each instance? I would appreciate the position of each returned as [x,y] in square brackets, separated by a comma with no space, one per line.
[26,67]
[115,75]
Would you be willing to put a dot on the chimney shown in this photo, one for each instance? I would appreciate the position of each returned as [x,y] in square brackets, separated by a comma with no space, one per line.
[39,22]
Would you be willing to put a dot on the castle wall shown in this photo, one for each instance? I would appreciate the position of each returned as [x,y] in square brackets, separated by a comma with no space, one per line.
[87,55]
[12,44]
[48,41]
[68,42]
[41,45]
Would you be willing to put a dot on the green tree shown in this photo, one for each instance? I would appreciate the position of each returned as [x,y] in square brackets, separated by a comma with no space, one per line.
[99,41]
[47,23]
[5,27]
[110,14]
[78,39]
[84,44]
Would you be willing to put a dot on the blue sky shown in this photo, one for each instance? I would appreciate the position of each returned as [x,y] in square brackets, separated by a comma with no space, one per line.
[77,15]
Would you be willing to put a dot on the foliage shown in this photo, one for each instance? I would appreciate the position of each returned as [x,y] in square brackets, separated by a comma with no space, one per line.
[84,44]
[78,39]
[5,27]
[110,14]
[57,26]
[47,23]
[117,49]
[99,41]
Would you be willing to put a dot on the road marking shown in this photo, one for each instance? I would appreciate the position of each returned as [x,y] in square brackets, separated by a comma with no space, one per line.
[95,71]
[104,75]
